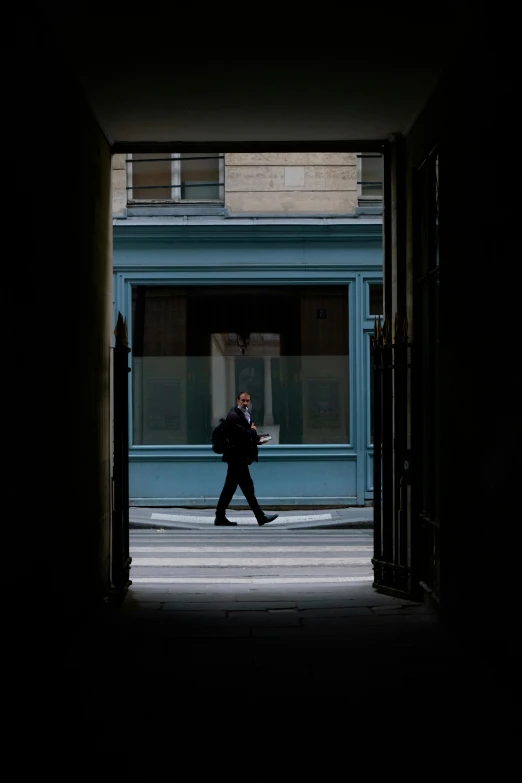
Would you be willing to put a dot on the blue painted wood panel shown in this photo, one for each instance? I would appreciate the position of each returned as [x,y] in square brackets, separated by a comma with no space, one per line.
[199,483]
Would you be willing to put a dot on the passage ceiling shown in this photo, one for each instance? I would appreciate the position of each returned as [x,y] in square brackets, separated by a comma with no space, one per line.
[164,74]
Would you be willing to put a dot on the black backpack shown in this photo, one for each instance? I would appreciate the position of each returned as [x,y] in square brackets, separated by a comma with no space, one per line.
[219,437]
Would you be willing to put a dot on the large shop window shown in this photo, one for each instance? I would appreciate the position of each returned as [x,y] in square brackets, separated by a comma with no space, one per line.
[194,348]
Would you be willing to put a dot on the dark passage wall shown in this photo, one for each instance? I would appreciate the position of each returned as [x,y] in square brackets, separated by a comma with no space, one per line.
[58,362]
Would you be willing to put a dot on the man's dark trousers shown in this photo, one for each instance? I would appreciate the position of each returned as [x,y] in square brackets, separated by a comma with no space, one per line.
[238,474]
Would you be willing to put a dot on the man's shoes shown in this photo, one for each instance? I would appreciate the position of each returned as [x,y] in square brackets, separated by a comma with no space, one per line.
[224,522]
[267,518]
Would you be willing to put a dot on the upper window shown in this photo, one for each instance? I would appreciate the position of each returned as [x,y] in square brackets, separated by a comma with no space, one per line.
[174,177]
[370,170]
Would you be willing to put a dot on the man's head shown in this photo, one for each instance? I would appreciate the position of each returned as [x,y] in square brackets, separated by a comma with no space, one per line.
[243,400]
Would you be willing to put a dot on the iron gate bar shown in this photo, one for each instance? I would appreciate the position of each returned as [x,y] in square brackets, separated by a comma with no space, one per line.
[387,446]
[400,408]
[377,447]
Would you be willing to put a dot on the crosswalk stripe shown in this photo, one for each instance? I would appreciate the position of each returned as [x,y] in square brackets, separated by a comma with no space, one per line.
[251,562]
[207,549]
[260,580]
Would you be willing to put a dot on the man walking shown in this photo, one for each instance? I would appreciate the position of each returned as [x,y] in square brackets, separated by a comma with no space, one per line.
[242,451]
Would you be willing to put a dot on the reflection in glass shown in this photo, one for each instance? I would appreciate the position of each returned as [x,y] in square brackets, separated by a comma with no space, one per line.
[151,176]
[376,299]
[372,176]
[199,176]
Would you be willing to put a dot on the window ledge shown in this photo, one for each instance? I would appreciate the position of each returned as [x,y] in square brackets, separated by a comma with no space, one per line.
[179,210]
[367,210]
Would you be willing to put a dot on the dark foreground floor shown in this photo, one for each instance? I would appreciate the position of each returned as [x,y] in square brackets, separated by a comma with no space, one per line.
[212,665]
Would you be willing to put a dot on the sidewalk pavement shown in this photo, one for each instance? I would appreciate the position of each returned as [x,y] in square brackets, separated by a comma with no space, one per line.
[354,517]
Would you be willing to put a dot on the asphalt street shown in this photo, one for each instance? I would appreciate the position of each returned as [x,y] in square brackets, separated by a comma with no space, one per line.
[250,554]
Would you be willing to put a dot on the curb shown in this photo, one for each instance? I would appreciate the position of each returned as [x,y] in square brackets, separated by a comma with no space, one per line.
[341,524]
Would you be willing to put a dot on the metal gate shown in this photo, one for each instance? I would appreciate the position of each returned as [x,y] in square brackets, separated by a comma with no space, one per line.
[391,355]
[120,560]
[406,417]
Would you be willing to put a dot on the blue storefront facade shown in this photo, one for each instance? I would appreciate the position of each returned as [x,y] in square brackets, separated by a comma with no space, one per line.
[284,309]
